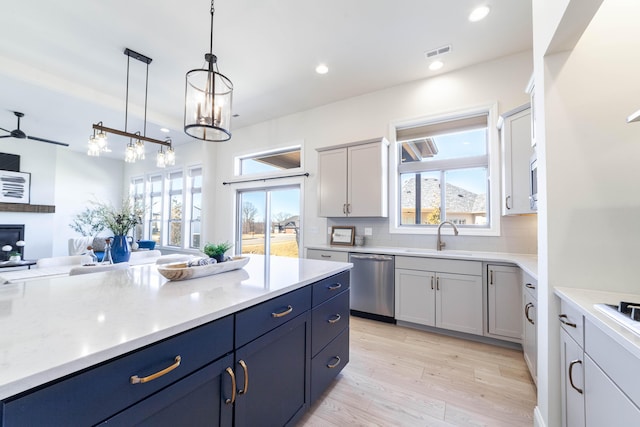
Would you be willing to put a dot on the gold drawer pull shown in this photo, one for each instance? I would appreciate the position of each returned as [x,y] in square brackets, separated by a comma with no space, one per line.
[246,377]
[233,386]
[137,380]
[335,319]
[284,313]
[334,287]
[331,366]
[566,322]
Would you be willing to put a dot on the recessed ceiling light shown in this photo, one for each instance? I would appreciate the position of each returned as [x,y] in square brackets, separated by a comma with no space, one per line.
[479,13]
[436,65]
[322,69]
[165,130]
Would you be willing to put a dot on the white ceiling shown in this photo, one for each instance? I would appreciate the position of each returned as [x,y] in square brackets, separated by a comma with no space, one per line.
[62,62]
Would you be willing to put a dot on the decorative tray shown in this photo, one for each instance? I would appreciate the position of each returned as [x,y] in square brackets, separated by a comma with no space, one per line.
[181,270]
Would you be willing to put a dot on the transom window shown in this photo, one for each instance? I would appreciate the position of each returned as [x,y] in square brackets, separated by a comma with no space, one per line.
[443,173]
[269,161]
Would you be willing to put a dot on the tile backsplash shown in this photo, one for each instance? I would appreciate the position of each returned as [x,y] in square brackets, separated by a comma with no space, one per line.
[519,234]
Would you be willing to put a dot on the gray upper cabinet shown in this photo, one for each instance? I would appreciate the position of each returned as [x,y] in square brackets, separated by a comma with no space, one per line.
[353,179]
[516,151]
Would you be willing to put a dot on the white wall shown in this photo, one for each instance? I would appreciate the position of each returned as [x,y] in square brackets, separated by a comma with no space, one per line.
[365,117]
[590,202]
[81,179]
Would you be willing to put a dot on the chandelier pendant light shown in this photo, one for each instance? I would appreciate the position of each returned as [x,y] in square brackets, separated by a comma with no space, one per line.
[134,150]
[208,96]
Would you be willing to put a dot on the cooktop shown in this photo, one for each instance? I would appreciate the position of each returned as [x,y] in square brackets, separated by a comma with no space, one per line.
[626,313]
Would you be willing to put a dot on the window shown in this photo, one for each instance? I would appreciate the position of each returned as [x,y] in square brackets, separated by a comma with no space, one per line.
[443,172]
[195,176]
[269,162]
[174,213]
[172,202]
[269,221]
[154,228]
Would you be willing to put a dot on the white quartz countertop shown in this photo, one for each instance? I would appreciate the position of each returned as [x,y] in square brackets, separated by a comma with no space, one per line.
[527,262]
[56,326]
[585,299]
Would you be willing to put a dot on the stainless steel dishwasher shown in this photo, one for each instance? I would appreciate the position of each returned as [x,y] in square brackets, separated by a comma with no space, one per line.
[372,286]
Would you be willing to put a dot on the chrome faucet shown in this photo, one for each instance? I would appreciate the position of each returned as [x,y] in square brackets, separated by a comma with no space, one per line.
[440,244]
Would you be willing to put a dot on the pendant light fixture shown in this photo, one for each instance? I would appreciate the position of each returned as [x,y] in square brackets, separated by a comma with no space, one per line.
[208,96]
[134,150]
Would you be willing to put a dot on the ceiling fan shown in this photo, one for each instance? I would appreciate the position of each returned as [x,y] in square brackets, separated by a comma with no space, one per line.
[17,133]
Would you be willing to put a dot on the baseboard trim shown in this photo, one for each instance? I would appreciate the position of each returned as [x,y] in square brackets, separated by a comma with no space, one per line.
[538,421]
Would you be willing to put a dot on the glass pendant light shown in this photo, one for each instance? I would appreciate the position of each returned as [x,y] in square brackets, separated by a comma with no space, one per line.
[160,160]
[208,96]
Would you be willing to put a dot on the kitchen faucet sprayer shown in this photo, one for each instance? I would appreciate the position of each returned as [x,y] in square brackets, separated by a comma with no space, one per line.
[439,243]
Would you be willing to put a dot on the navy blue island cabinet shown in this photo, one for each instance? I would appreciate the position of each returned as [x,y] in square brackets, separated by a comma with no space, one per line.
[262,366]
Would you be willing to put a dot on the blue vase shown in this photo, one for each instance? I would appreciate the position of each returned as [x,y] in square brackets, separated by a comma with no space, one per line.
[120,250]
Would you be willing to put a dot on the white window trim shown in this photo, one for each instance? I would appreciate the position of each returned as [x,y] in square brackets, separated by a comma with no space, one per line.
[493,151]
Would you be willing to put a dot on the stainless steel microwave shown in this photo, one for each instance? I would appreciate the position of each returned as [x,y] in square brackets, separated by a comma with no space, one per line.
[533,182]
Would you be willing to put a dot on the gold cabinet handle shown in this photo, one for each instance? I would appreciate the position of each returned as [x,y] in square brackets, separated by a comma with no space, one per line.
[246,377]
[283,313]
[137,380]
[233,386]
[526,313]
[334,287]
[336,319]
[331,366]
[571,365]
[566,322]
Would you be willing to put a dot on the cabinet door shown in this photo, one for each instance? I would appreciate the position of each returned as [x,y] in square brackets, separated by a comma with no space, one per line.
[516,155]
[605,404]
[459,303]
[530,335]
[275,385]
[332,182]
[367,180]
[197,400]
[572,382]
[505,293]
[415,296]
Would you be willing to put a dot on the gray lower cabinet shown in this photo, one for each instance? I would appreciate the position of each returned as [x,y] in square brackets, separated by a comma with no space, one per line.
[503,291]
[250,368]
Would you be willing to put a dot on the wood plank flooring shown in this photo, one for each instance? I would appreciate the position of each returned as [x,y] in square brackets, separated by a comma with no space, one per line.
[399,376]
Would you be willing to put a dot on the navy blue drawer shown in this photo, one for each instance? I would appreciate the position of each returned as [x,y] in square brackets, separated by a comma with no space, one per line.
[328,363]
[260,319]
[330,287]
[328,320]
[93,395]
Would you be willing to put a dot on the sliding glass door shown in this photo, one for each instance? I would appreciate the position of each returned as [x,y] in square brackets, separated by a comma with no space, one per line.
[268,221]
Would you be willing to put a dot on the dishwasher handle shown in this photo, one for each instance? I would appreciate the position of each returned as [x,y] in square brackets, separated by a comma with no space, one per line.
[372,257]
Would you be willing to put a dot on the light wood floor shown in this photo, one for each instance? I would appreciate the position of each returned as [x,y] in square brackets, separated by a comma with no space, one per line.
[399,376]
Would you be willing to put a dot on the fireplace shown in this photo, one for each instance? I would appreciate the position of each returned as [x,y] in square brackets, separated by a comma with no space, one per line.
[9,235]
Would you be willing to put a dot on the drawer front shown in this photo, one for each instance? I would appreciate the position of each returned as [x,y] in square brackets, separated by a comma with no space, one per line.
[328,363]
[92,396]
[327,255]
[260,319]
[572,321]
[530,285]
[440,265]
[330,287]
[328,320]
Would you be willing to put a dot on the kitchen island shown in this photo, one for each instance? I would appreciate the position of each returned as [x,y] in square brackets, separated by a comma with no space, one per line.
[60,329]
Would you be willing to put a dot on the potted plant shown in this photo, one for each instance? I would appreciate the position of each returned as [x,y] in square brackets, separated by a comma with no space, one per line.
[120,221]
[217,251]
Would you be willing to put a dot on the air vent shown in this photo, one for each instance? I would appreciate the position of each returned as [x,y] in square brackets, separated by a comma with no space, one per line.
[437,52]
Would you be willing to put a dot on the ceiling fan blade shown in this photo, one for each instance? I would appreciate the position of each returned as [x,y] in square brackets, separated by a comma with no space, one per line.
[35,138]
[6,136]
[6,130]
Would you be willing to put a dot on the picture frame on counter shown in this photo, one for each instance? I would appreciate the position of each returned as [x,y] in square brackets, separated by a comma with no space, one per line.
[343,235]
